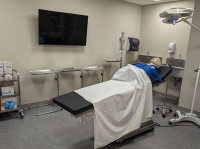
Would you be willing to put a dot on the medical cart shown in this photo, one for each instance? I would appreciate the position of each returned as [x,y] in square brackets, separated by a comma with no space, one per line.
[5,82]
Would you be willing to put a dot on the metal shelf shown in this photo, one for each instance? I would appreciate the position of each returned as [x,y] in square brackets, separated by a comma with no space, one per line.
[93,68]
[112,60]
[42,72]
[69,69]
[8,80]
[10,110]
[8,96]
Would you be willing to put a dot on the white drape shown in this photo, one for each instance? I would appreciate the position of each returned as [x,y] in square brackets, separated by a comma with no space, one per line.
[119,104]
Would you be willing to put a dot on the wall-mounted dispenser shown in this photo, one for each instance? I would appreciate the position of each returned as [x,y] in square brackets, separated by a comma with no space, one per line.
[133,44]
[171,48]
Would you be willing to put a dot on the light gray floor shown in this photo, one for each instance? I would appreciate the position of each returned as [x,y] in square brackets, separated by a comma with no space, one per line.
[61,131]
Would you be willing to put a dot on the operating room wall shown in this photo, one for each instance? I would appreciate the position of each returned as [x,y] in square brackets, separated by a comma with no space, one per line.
[19,43]
[192,63]
[155,37]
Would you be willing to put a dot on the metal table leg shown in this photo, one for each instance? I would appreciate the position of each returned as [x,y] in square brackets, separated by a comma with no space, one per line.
[19,92]
[82,78]
[59,109]
[121,60]
[164,107]
[57,79]
[166,93]
[39,106]
[102,74]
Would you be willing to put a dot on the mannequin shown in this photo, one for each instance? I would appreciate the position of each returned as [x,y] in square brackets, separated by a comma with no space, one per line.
[151,68]
[155,61]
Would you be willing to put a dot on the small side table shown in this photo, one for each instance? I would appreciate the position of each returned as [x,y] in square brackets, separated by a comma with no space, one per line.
[71,70]
[95,68]
[111,60]
[44,72]
[114,60]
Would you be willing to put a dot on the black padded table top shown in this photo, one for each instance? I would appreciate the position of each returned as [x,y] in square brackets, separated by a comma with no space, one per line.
[76,104]
[73,103]
[163,72]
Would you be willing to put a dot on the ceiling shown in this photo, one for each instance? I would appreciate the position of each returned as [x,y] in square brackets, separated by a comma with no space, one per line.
[148,2]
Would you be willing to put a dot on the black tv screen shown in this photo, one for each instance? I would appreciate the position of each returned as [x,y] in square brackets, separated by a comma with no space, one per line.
[56,28]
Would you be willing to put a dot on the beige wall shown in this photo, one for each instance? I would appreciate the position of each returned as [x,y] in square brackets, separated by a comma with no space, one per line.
[155,36]
[192,63]
[19,42]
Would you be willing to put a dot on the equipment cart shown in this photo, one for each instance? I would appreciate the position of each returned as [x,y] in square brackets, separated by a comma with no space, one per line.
[4,82]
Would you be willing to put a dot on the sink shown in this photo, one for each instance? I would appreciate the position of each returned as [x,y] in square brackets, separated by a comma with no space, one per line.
[146,58]
[177,67]
[143,59]
[176,62]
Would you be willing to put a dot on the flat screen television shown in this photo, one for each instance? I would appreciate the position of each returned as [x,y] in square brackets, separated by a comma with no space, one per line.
[56,28]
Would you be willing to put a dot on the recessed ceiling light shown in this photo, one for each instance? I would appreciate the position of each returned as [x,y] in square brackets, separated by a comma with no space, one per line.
[149,2]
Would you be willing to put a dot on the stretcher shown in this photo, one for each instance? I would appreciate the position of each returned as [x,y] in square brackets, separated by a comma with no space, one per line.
[81,108]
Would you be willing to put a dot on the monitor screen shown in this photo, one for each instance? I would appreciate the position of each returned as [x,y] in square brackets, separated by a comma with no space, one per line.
[56,28]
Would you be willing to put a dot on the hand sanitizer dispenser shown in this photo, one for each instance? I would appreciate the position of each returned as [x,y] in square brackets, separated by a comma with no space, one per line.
[172,47]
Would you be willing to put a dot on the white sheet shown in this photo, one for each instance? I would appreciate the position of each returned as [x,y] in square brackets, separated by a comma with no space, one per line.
[119,104]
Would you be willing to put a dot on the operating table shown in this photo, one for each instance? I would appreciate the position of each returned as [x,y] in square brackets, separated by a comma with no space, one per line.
[80,108]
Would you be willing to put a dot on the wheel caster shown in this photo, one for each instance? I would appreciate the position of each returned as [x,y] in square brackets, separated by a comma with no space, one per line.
[151,130]
[170,123]
[21,114]
[117,143]
[170,110]
[163,115]
[153,112]
[157,108]
[175,114]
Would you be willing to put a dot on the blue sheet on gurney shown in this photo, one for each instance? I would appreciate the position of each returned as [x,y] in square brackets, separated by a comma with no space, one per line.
[119,104]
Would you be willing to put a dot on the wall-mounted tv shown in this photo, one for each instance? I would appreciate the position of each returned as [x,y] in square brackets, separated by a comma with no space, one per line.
[56,28]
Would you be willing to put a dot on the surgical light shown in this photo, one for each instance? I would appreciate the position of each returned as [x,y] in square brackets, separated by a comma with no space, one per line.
[173,16]
[177,15]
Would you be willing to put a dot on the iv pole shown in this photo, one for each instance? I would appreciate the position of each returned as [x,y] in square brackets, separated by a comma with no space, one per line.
[121,60]
[122,40]
[121,50]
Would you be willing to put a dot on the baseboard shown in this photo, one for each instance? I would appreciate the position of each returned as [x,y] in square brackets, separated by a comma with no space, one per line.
[163,95]
[188,110]
[25,106]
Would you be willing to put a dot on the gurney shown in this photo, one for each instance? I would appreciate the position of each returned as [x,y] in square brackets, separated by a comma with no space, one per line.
[81,108]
